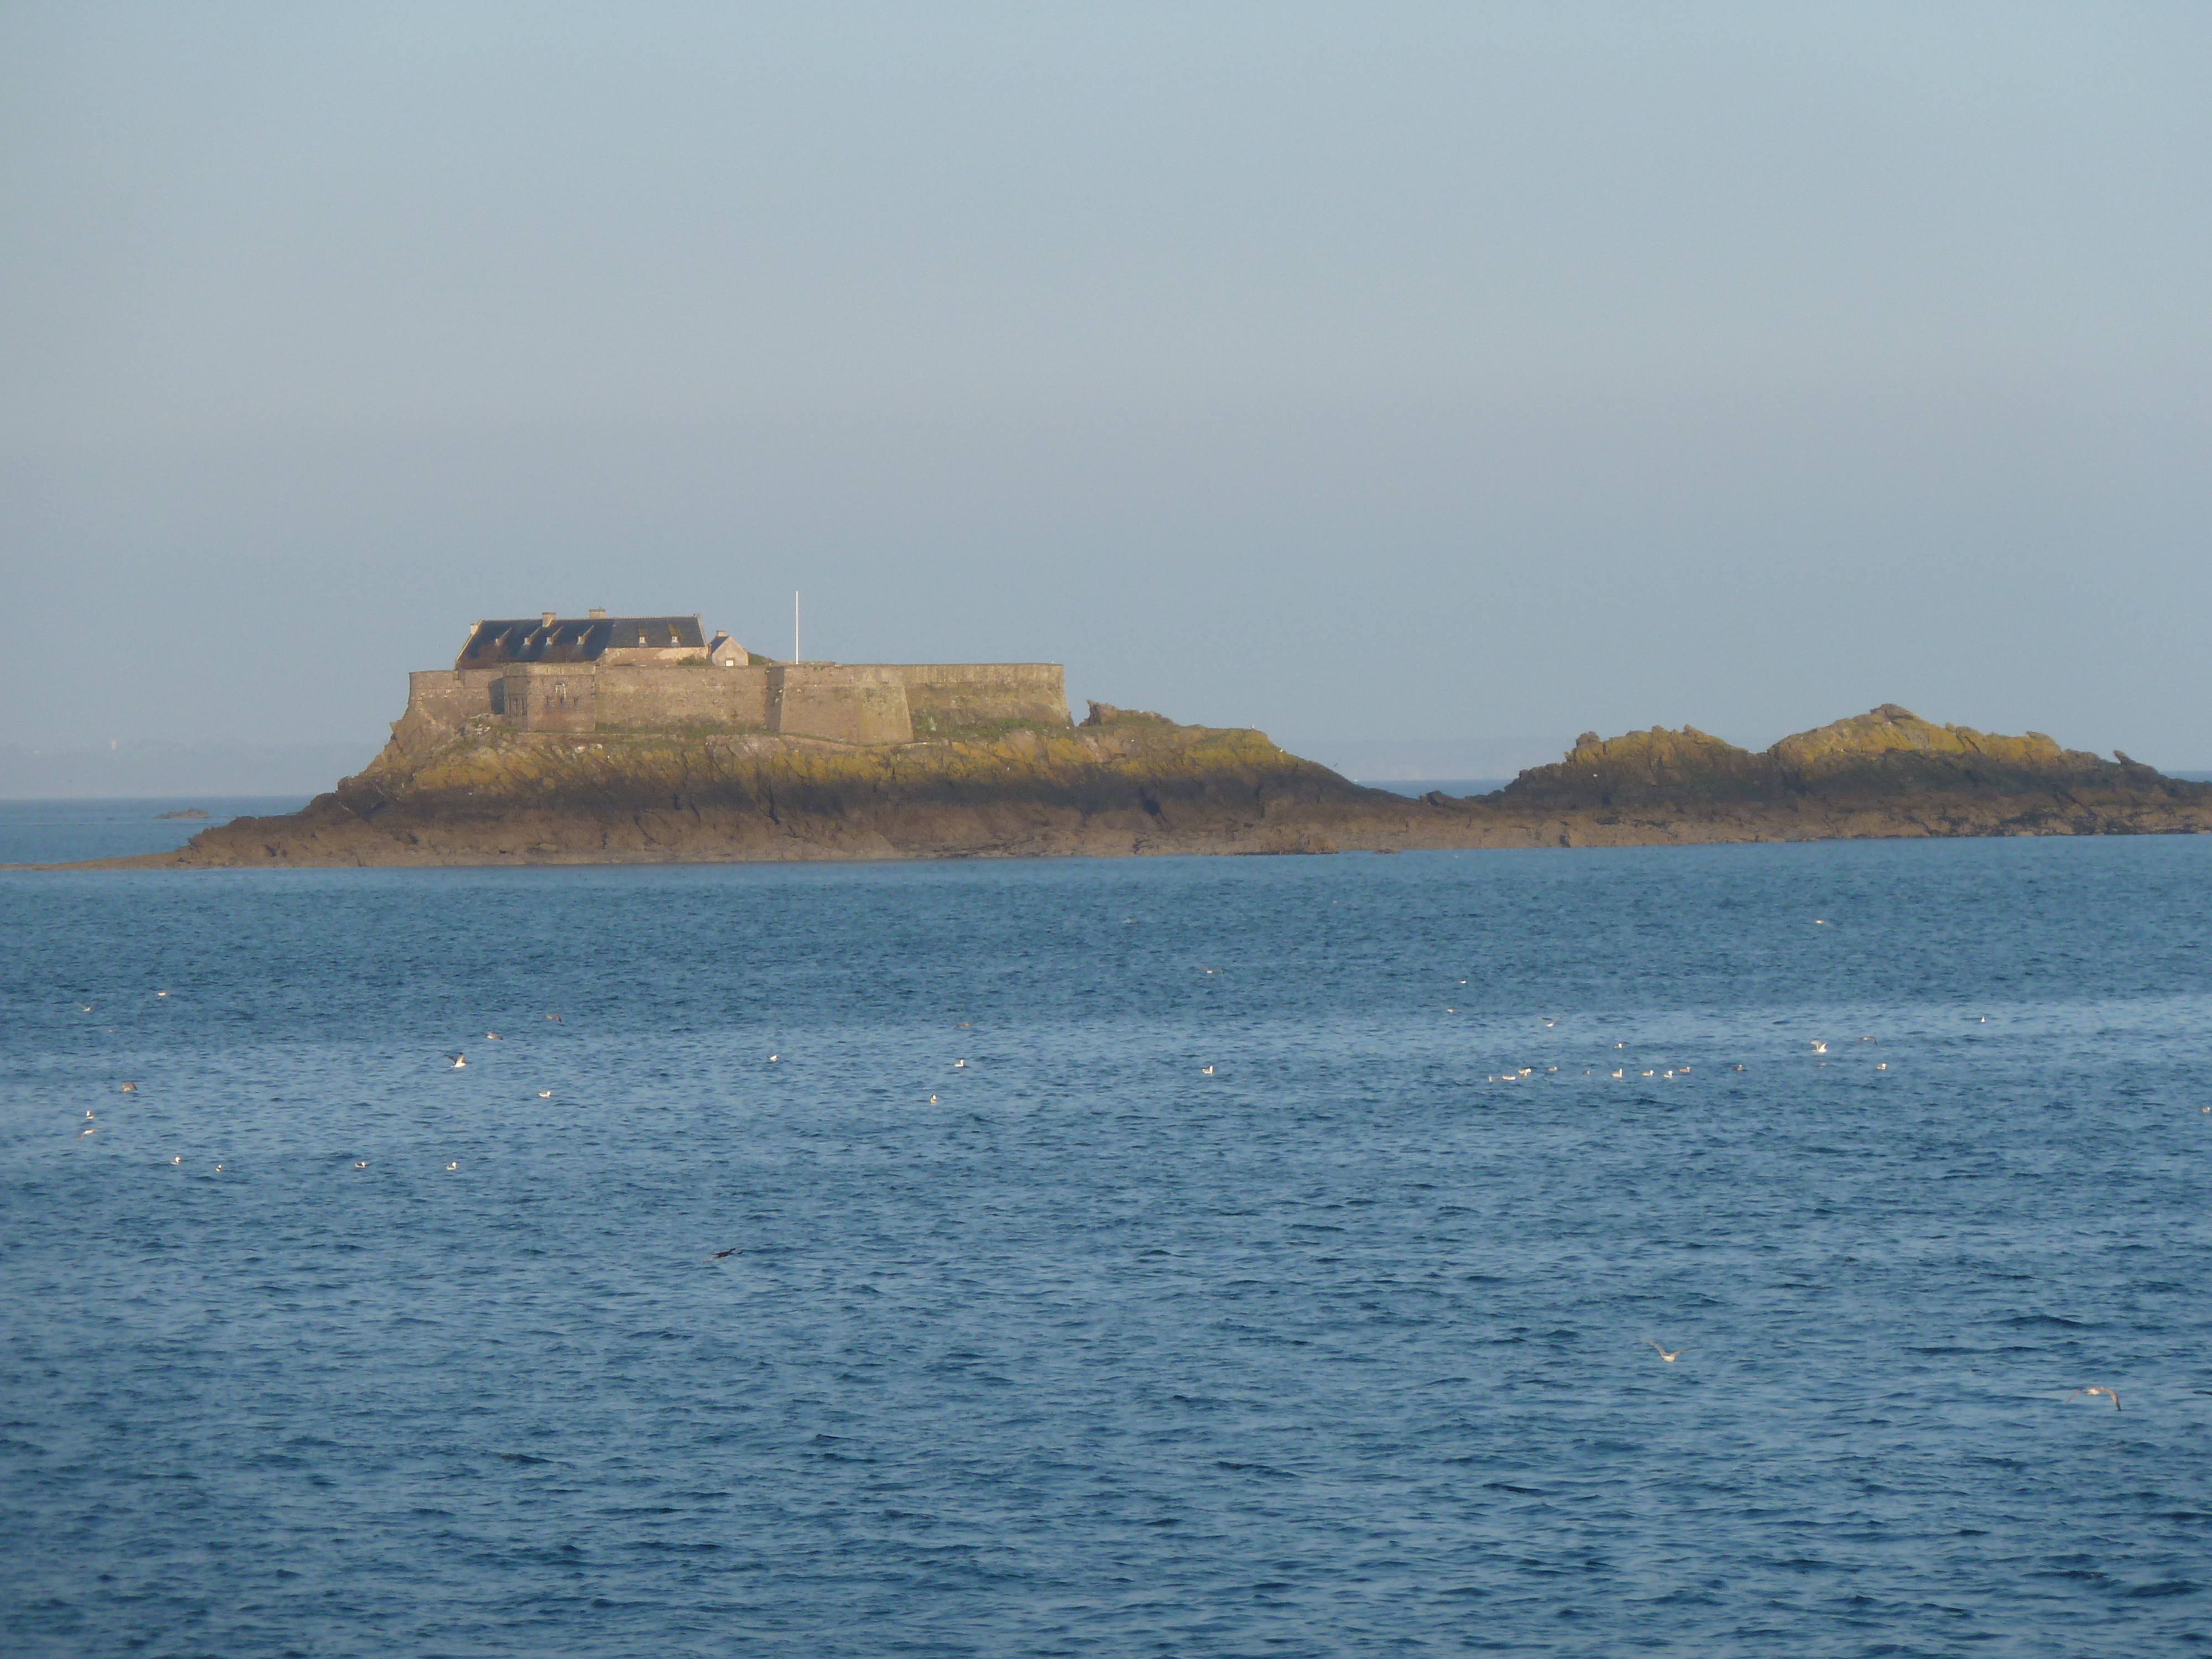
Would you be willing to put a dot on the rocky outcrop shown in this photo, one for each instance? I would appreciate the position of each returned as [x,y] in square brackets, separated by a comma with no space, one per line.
[1886,772]
[1127,782]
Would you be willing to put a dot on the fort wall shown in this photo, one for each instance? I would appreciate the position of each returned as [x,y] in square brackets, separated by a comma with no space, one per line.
[944,697]
[551,696]
[844,703]
[651,699]
[867,703]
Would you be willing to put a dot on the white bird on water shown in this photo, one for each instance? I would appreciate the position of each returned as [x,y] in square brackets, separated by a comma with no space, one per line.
[1819,1048]
[89,1130]
[1205,1070]
[1670,1357]
[545,1094]
[957,1063]
[175,1161]
[450,1167]
[2112,1394]
[128,1089]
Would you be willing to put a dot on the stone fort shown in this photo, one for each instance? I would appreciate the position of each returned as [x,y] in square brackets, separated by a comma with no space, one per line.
[644,674]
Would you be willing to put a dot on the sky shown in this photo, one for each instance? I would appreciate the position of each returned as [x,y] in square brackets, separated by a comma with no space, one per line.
[1424,380]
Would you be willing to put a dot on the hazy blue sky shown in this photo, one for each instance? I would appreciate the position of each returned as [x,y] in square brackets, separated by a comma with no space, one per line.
[1460,374]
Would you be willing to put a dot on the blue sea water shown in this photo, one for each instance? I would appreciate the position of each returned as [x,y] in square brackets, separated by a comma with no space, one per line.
[59,831]
[1075,1348]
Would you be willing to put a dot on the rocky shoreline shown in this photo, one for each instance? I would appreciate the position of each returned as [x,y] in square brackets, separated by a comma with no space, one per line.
[1124,784]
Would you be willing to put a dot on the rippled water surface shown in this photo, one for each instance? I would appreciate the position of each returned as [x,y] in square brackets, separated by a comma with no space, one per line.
[319,1346]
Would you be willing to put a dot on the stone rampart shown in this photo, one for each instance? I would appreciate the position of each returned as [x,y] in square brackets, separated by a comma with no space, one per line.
[946,697]
[551,696]
[656,699]
[867,703]
[843,703]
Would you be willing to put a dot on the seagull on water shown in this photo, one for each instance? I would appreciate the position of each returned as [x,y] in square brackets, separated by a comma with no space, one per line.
[933,1100]
[1549,1023]
[218,1169]
[1618,1074]
[450,1167]
[89,1130]
[87,1006]
[491,1036]
[773,1058]
[362,1165]
[556,1018]
[545,1094]
[1819,1048]
[88,1116]
[1881,1066]
[1205,1070]
[1670,1357]
[957,1063]
[128,1089]
[2112,1394]
[175,1161]
[160,993]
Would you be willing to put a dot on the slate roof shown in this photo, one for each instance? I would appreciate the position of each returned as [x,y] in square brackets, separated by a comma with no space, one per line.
[575,638]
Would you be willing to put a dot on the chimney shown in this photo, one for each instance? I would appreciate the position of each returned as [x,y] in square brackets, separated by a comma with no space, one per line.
[548,618]
[599,613]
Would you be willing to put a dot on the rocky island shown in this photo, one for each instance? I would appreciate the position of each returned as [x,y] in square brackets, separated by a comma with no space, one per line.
[602,739]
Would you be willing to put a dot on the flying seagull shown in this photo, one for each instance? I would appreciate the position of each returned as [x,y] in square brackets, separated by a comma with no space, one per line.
[1819,1048]
[1670,1357]
[459,1061]
[2112,1394]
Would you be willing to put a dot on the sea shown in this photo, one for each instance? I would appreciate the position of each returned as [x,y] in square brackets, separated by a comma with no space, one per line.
[1688,1251]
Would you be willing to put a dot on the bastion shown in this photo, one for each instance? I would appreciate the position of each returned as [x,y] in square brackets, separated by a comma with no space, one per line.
[598,673]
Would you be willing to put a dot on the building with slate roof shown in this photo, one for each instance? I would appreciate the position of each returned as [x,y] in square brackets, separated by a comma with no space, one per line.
[595,638]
